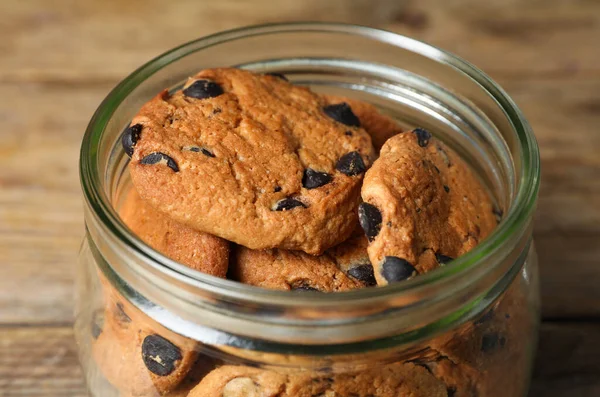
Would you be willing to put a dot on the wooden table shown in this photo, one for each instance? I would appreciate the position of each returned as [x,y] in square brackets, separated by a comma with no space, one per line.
[59,59]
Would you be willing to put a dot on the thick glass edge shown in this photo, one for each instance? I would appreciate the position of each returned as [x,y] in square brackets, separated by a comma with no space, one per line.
[514,222]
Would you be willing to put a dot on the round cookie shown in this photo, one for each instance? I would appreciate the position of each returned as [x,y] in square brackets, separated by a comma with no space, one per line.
[289,270]
[140,362]
[379,126]
[422,207]
[198,250]
[252,159]
[394,380]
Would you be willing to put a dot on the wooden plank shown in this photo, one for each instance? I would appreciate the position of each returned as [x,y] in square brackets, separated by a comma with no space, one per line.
[41,221]
[39,362]
[42,362]
[567,361]
[107,40]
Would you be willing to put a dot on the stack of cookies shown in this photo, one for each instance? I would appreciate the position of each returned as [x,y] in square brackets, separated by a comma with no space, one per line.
[250,177]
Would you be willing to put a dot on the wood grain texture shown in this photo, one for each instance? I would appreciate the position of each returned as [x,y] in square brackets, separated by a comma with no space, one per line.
[42,362]
[60,58]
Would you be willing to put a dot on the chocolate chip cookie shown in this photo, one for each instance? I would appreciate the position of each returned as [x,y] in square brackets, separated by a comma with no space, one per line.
[198,250]
[423,206]
[391,380]
[252,159]
[289,270]
[140,359]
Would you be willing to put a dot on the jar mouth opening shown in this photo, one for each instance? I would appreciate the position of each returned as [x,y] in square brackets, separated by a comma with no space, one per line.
[516,217]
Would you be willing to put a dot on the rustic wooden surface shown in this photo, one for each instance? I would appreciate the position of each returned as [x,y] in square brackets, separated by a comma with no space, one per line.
[59,59]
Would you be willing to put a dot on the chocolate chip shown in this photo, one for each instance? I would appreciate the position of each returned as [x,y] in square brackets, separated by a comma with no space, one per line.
[447,189]
[485,318]
[423,136]
[342,112]
[158,157]
[451,391]
[490,342]
[396,269]
[498,213]
[202,150]
[313,179]
[130,137]
[348,133]
[370,220]
[277,189]
[304,288]
[302,285]
[201,89]
[121,315]
[287,204]
[279,75]
[97,324]
[443,259]
[160,355]
[363,273]
[351,164]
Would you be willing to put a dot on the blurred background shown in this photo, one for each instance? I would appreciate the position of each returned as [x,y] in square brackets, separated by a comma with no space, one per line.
[58,59]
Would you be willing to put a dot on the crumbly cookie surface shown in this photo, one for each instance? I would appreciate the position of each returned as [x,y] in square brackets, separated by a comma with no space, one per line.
[200,251]
[289,270]
[393,380]
[422,207]
[252,159]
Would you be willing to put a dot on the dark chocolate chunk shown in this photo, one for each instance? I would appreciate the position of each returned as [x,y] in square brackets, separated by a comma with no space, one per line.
[498,213]
[160,355]
[277,189]
[279,75]
[396,269]
[158,157]
[287,204]
[202,150]
[370,220]
[363,273]
[351,164]
[423,136]
[130,137]
[490,342]
[443,259]
[451,391]
[313,179]
[342,112]
[201,89]
[121,315]
[348,133]
[447,189]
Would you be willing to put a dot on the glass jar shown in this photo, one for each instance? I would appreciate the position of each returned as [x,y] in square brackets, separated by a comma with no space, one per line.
[148,326]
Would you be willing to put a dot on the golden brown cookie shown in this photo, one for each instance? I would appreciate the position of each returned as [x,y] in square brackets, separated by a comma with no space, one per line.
[252,159]
[394,380]
[422,207]
[136,359]
[351,257]
[289,270]
[198,250]
[379,126]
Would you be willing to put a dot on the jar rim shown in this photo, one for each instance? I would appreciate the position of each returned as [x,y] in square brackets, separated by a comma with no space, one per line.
[516,218]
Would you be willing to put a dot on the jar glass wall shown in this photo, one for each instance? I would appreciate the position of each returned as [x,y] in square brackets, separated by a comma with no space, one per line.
[149,326]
